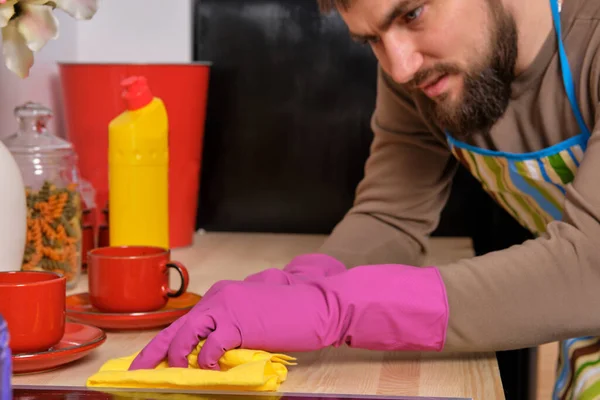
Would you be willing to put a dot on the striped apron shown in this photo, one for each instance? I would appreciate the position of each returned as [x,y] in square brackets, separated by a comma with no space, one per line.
[531,187]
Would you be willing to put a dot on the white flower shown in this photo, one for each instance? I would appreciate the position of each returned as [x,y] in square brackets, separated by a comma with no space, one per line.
[27,25]
[6,11]
[79,9]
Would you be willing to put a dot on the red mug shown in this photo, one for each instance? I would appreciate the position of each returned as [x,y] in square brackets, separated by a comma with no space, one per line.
[126,279]
[33,306]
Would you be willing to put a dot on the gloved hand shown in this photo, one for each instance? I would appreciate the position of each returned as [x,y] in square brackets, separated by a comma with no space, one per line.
[380,307]
[302,268]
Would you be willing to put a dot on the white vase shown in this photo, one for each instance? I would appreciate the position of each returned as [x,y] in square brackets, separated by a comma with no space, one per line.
[13,213]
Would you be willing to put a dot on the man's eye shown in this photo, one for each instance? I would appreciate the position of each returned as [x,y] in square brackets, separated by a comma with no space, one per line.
[413,15]
[367,41]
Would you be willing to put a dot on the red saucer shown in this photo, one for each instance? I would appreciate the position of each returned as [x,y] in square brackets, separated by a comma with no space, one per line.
[79,309]
[77,342]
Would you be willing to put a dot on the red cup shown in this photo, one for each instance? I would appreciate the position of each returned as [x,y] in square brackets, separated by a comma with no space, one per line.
[92,98]
[130,279]
[33,305]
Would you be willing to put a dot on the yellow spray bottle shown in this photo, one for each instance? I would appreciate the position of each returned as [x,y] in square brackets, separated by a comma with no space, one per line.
[138,158]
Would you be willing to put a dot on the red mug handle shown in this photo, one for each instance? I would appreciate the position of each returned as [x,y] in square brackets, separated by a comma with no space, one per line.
[183,274]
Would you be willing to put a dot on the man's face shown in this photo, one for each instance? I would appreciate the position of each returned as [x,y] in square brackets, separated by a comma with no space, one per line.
[460,53]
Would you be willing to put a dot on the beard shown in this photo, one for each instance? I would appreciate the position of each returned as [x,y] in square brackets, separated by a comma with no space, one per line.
[487,86]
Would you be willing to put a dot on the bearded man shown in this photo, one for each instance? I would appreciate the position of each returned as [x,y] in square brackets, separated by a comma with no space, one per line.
[511,90]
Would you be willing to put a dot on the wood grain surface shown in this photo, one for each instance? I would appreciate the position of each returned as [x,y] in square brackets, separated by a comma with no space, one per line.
[216,256]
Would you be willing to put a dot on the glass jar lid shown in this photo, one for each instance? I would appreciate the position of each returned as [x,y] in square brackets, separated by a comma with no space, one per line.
[32,135]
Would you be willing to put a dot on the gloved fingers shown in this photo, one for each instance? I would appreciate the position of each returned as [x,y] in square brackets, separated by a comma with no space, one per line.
[222,339]
[314,266]
[187,338]
[156,350]
[214,289]
[271,276]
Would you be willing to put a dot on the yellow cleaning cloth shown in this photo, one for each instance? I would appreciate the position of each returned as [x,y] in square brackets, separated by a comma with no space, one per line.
[241,369]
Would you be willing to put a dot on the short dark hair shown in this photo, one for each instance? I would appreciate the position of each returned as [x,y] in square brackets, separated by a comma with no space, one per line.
[327,6]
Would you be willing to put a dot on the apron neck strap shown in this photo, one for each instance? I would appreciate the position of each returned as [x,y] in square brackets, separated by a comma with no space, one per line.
[566,70]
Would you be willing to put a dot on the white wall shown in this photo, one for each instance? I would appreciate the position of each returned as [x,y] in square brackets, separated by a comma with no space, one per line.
[121,31]
[137,31]
[41,85]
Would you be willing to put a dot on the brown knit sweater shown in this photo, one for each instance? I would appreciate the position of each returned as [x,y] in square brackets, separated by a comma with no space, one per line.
[543,290]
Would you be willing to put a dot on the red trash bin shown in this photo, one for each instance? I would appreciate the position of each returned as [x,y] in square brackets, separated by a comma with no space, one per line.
[92,98]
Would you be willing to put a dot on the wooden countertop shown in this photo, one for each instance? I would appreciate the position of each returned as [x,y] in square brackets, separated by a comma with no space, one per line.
[216,256]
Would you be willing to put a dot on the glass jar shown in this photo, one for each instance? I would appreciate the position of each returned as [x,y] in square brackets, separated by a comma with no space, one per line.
[5,362]
[49,168]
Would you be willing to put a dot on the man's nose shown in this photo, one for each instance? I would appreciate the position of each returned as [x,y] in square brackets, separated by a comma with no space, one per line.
[404,60]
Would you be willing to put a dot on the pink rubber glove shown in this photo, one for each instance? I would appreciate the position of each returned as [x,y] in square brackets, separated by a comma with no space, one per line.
[302,268]
[381,307]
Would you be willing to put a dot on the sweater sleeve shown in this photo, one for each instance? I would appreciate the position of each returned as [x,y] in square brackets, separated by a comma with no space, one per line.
[541,291]
[406,184]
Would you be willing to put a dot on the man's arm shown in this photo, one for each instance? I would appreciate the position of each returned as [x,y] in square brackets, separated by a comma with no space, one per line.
[406,184]
[540,291]
[544,290]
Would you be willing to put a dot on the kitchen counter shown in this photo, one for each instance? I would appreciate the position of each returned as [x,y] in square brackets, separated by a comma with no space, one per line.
[216,256]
